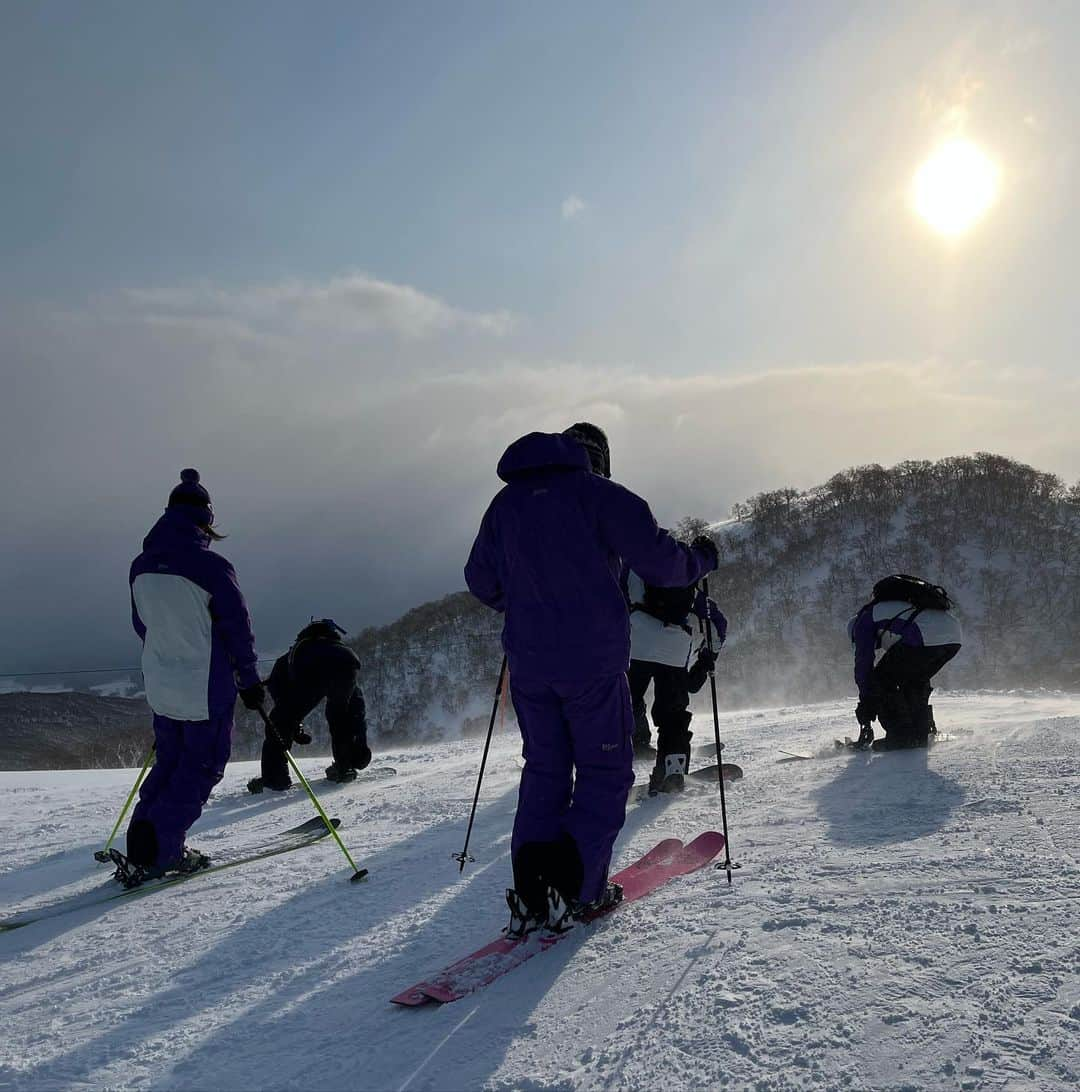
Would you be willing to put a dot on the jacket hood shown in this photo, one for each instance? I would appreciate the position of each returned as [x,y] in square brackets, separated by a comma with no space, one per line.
[177,527]
[542,451]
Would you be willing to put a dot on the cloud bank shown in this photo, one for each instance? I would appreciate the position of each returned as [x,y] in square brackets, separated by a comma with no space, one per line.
[348,432]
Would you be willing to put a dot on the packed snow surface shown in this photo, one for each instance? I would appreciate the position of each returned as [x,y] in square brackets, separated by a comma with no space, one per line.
[899,921]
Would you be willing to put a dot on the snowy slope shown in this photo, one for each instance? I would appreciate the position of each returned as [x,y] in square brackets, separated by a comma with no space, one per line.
[900,921]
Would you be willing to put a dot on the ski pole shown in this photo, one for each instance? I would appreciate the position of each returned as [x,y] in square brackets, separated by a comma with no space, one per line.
[358,873]
[716,731]
[103,854]
[463,856]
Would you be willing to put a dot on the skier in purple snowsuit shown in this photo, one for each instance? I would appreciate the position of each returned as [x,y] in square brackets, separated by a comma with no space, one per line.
[548,556]
[198,648]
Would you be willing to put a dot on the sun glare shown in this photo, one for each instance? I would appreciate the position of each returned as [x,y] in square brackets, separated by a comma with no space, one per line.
[955,187]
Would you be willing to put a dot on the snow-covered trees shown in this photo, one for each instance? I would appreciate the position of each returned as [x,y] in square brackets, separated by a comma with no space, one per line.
[1003,537]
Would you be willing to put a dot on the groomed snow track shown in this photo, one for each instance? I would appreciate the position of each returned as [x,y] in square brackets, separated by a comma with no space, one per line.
[900,921]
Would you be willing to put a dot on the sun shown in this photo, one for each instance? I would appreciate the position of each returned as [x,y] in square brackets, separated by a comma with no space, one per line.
[955,187]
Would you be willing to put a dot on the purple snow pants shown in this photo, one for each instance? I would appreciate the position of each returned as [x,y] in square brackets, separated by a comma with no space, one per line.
[190,760]
[579,767]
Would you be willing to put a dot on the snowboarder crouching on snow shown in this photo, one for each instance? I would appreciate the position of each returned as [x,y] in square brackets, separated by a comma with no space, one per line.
[661,644]
[198,647]
[317,666]
[910,623]
[549,556]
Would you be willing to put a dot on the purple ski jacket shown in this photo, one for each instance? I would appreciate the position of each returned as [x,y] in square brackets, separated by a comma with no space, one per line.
[549,555]
[878,626]
[187,609]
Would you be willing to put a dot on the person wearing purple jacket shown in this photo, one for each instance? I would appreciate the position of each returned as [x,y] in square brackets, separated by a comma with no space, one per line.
[903,637]
[198,650]
[549,556]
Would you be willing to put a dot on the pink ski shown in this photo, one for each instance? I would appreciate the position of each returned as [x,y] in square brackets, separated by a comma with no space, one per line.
[665,861]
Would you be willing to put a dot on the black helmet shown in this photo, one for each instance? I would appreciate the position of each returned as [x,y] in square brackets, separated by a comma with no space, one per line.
[595,442]
[321,629]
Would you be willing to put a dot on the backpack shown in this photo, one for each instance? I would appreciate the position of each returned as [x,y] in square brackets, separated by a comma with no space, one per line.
[322,629]
[670,605]
[910,589]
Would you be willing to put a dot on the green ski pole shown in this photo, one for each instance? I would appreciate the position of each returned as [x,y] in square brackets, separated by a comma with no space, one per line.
[358,873]
[103,854]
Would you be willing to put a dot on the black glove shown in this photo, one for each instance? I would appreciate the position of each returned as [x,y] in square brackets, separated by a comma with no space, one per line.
[706,545]
[866,711]
[698,671]
[706,660]
[285,733]
[253,696]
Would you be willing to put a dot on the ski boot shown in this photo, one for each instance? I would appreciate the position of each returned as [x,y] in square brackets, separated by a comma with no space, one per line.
[643,747]
[257,784]
[866,739]
[190,861]
[669,774]
[336,773]
[611,896]
[522,920]
[128,874]
[560,913]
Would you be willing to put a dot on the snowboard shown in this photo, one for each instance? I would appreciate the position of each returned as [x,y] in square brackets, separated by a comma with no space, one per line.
[853,744]
[665,861]
[850,744]
[314,830]
[704,774]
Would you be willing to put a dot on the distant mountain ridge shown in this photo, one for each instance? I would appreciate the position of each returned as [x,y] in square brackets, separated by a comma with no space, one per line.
[72,731]
[1002,537]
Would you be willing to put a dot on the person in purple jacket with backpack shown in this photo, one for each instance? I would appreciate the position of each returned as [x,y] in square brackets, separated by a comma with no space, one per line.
[901,639]
[198,651]
[549,556]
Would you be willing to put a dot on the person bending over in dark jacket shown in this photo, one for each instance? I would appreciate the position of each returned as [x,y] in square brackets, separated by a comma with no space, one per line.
[317,666]
[549,556]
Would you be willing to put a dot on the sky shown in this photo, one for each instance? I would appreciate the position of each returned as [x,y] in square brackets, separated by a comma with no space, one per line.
[337,256]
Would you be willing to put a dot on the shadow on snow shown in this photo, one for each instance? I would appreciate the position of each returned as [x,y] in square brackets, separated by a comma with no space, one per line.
[878,799]
[299,1022]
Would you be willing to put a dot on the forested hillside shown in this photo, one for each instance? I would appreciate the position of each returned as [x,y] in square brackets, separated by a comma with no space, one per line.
[431,673]
[1004,538]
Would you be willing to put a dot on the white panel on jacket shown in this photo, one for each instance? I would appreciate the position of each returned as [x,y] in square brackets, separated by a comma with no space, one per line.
[650,639]
[938,627]
[176,652]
